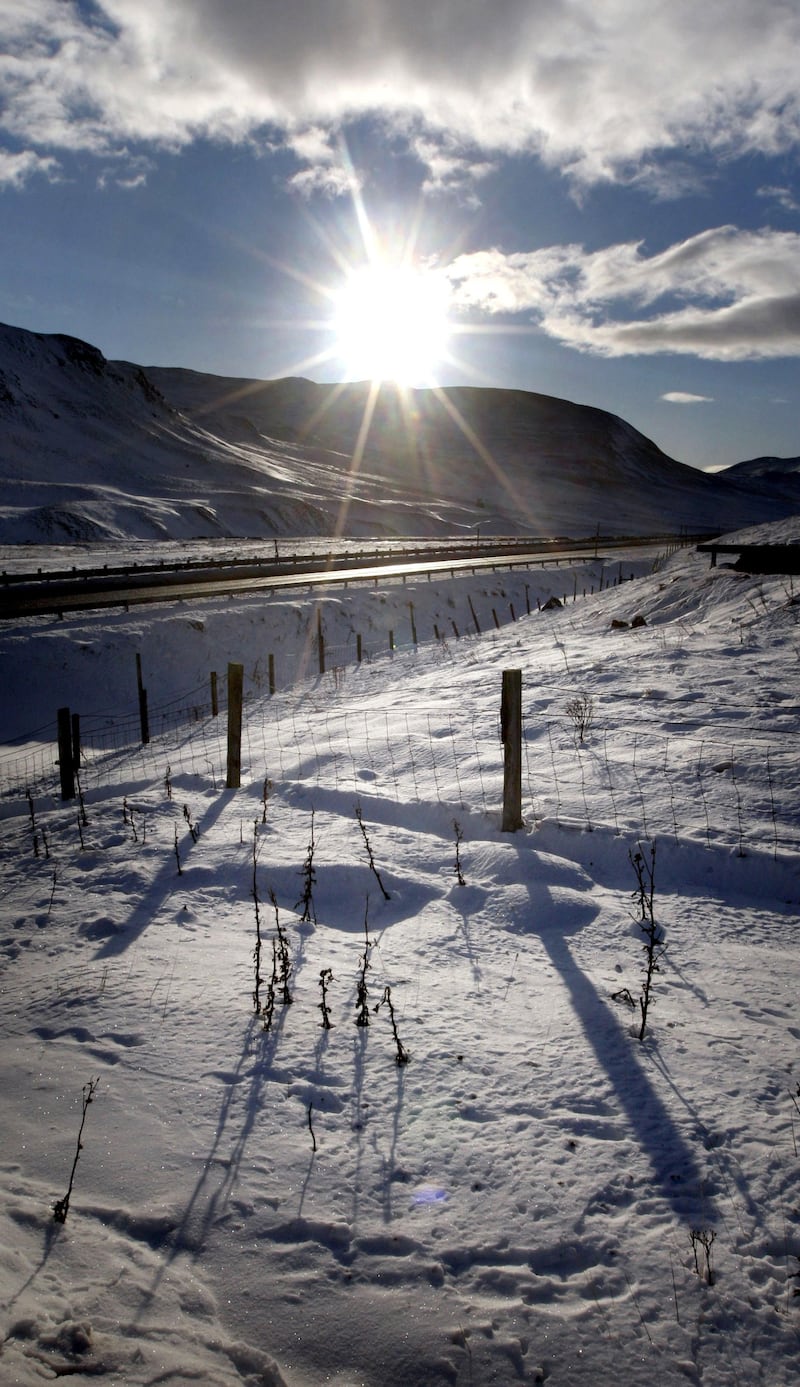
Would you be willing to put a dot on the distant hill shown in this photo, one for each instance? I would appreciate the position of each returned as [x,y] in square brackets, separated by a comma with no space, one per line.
[91,448]
[763,467]
[778,476]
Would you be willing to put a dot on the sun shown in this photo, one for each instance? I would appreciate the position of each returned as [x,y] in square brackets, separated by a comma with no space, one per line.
[391,324]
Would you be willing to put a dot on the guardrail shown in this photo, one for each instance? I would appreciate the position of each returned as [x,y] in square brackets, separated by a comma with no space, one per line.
[389,551]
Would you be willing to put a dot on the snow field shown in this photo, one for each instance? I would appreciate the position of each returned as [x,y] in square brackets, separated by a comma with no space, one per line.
[515,1204]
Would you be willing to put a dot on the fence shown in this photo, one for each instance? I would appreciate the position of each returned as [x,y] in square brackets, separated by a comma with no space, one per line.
[735,788]
[735,793]
[32,763]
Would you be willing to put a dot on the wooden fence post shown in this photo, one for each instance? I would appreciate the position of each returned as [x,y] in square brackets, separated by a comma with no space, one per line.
[66,766]
[214,698]
[235,685]
[271,663]
[474,617]
[358,647]
[511,732]
[320,641]
[144,722]
[413,622]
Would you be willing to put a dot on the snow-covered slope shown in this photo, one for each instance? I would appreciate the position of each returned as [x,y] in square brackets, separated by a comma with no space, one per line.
[766,466]
[536,1197]
[90,449]
[778,476]
[98,449]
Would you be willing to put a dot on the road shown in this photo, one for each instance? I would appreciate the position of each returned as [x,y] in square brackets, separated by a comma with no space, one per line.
[55,594]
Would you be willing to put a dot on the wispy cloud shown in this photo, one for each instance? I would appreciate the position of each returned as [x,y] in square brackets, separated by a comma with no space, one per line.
[781,196]
[600,91]
[325,166]
[129,172]
[450,169]
[17,168]
[685,397]
[733,295]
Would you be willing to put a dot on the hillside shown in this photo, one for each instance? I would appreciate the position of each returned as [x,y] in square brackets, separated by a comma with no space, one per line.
[778,476]
[96,449]
[537,1195]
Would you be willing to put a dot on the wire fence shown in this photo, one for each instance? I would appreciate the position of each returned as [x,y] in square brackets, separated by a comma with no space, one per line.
[736,785]
[30,762]
[739,793]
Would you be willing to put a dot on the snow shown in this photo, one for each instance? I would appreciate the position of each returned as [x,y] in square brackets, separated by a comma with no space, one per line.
[102,451]
[517,1203]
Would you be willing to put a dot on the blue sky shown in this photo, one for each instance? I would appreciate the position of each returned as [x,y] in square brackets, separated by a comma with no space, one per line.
[600,197]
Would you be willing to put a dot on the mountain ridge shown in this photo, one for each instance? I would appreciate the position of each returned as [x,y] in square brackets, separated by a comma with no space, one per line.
[92,448]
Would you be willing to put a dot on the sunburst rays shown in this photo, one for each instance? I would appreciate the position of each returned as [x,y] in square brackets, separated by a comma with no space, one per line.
[370,260]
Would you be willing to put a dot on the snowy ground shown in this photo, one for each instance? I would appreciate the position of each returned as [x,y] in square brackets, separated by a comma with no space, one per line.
[523,1200]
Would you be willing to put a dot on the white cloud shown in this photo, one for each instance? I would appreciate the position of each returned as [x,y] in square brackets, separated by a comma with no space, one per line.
[733,295]
[601,90]
[326,167]
[17,168]
[782,196]
[684,397]
[128,172]
[450,169]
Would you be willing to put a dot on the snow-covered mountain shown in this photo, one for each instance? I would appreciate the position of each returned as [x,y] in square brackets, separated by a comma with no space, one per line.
[778,476]
[93,449]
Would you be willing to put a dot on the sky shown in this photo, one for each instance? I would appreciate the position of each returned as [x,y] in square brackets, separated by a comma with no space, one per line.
[594,199]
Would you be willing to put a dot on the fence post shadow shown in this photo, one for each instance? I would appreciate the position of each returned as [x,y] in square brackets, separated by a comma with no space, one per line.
[161,887]
[676,1171]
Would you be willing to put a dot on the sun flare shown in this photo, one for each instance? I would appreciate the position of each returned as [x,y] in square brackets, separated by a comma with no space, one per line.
[391,324]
